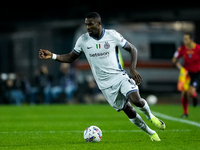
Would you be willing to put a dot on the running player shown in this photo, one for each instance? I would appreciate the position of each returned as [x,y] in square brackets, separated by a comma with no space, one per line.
[100,48]
[190,51]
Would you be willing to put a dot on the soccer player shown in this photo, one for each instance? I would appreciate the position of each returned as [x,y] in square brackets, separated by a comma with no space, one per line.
[190,51]
[101,50]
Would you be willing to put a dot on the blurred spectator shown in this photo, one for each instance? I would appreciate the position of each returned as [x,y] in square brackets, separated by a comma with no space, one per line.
[16,89]
[67,83]
[42,85]
[93,94]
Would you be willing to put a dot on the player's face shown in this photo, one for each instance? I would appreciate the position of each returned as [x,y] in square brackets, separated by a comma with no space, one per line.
[186,39]
[92,26]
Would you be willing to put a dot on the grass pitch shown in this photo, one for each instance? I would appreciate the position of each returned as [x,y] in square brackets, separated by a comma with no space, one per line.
[61,127]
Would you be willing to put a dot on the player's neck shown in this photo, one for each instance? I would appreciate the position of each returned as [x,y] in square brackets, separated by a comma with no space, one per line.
[99,35]
[191,46]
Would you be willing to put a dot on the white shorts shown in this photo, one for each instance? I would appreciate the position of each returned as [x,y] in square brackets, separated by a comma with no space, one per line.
[116,95]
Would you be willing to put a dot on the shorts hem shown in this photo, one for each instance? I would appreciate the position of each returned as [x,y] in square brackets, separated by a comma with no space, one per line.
[123,106]
[129,92]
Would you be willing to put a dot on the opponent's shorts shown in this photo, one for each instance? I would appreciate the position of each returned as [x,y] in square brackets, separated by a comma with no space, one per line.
[195,79]
[116,95]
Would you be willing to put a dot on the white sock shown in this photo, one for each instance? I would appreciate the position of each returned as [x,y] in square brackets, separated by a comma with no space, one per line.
[146,110]
[141,124]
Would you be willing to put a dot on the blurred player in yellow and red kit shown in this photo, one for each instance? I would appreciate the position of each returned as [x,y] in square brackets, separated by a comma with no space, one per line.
[190,52]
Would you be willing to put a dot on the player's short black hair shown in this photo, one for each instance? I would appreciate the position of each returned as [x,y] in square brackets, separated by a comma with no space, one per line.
[190,34]
[94,15]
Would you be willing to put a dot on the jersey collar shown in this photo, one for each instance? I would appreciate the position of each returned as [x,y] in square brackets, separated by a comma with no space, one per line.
[100,36]
[193,46]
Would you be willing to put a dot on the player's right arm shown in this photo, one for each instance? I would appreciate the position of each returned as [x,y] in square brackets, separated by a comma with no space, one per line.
[175,58]
[65,58]
[176,63]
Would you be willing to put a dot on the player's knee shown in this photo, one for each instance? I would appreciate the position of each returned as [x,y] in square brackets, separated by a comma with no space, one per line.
[139,103]
[136,99]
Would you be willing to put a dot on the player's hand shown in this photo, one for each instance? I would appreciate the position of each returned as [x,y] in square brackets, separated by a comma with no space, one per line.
[136,76]
[45,54]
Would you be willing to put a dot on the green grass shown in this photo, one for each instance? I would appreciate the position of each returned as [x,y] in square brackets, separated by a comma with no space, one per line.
[61,127]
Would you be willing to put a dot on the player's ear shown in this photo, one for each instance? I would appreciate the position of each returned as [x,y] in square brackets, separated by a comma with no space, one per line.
[99,23]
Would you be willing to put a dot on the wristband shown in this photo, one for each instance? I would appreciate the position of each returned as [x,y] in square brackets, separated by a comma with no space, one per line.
[54,56]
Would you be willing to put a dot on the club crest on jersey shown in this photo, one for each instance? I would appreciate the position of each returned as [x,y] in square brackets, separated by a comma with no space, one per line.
[106,45]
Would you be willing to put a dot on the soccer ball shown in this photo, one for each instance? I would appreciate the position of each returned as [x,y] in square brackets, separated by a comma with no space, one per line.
[92,134]
[152,99]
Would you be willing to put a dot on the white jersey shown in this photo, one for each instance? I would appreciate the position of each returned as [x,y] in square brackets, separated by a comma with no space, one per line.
[102,55]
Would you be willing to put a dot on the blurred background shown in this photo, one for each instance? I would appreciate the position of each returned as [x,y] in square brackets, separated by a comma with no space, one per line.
[155,29]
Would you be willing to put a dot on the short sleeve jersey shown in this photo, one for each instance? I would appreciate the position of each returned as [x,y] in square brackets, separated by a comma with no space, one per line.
[102,55]
[191,57]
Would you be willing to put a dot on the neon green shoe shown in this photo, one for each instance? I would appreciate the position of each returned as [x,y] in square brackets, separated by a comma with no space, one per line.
[158,123]
[155,137]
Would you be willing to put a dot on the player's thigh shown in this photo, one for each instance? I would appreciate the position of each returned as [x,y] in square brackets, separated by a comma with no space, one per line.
[130,90]
[135,98]
[128,86]
[183,94]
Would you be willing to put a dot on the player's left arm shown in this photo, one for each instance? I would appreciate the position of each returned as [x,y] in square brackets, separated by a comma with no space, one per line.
[133,52]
